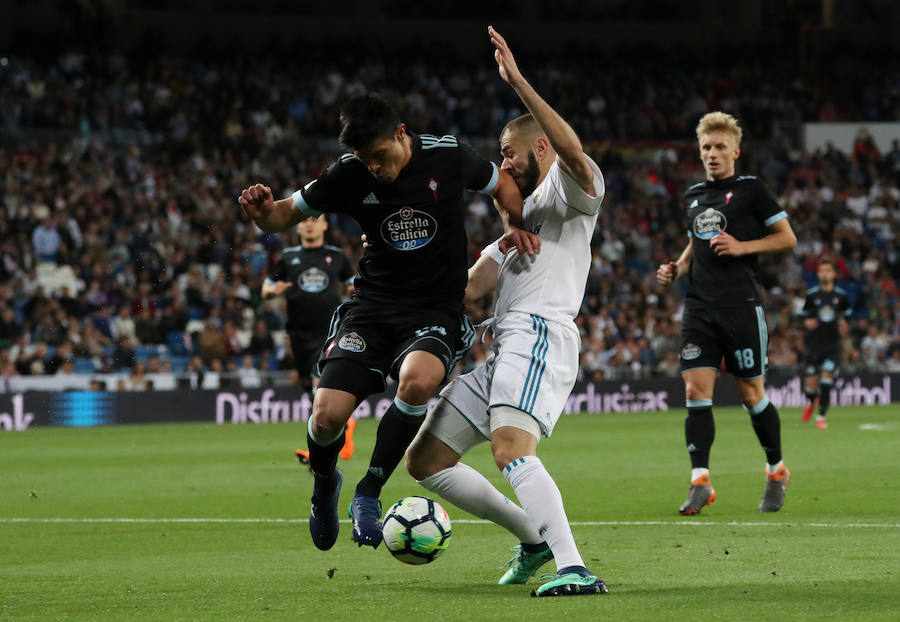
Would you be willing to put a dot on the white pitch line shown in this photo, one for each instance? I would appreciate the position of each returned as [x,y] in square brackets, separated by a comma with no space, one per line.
[463,521]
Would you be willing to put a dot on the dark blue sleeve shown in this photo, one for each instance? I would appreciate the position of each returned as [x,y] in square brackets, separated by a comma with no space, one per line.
[478,173]
[339,189]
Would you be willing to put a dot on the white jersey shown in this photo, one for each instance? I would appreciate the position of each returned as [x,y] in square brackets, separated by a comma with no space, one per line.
[551,285]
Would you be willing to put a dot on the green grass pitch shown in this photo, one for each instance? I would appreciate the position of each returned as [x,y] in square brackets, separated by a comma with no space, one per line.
[833,552]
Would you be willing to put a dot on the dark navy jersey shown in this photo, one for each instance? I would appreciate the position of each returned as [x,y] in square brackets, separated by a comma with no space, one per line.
[743,207]
[416,254]
[829,308]
[317,276]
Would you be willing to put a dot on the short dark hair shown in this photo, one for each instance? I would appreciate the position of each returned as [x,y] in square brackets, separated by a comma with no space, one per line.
[364,118]
[827,261]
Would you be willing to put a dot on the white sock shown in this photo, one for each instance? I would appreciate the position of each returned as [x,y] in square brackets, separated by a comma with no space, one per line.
[695,473]
[541,499]
[471,491]
[772,469]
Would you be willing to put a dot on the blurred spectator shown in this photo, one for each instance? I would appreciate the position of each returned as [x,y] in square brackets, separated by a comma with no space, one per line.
[138,380]
[148,224]
[212,343]
[261,341]
[123,356]
[124,325]
[249,375]
[10,329]
[874,347]
[147,329]
[46,240]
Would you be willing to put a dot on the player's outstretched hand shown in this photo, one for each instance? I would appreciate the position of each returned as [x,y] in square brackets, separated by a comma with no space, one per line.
[509,71]
[666,273]
[523,241]
[257,201]
[279,287]
[725,244]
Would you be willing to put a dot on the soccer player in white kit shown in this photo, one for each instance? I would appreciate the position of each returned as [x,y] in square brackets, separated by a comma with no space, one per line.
[519,393]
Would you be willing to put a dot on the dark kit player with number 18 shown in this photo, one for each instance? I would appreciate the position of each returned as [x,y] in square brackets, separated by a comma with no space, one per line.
[732,219]
[406,316]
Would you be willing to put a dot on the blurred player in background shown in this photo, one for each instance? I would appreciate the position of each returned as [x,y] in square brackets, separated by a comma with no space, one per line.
[518,395]
[732,219]
[825,313]
[406,317]
[314,277]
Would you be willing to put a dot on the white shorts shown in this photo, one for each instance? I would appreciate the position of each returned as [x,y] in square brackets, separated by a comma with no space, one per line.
[531,368]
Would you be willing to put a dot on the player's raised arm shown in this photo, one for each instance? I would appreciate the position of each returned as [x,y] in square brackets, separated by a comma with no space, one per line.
[562,137]
[272,216]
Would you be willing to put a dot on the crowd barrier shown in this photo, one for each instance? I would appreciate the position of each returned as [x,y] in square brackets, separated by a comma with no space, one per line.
[28,409]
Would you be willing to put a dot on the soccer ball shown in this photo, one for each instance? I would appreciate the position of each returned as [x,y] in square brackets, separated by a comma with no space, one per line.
[416,530]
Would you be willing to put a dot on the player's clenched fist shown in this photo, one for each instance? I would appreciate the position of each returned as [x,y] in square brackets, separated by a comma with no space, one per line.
[257,201]
[666,273]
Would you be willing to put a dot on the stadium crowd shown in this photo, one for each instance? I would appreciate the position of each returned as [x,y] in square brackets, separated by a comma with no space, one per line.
[122,250]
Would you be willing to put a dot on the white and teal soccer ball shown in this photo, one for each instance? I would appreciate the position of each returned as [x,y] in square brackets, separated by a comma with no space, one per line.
[416,530]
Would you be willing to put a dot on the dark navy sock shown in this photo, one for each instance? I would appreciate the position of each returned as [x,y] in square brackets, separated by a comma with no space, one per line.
[824,398]
[531,549]
[396,431]
[699,434]
[322,462]
[767,425]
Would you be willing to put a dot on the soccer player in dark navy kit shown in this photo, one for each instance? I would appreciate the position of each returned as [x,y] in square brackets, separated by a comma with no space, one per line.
[732,219]
[313,277]
[825,312]
[406,317]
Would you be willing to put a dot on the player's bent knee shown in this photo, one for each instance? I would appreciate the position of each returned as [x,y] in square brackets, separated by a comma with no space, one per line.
[416,459]
[752,392]
[417,387]
[418,466]
[513,434]
[428,455]
[696,390]
[328,421]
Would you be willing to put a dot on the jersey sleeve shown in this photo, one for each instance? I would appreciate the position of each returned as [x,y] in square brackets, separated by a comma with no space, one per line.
[766,206]
[572,194]
[807,307]
[479,173]
[343,185]
[492,250]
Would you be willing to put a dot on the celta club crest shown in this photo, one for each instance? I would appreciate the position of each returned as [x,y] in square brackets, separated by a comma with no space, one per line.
[728,197]
[328,259]
[433,186]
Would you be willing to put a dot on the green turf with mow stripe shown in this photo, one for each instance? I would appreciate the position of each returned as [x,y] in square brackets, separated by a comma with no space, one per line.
[833,552]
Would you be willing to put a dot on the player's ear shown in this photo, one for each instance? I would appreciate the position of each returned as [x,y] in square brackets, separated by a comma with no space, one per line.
[400,132]
[540,148]
[737,152]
